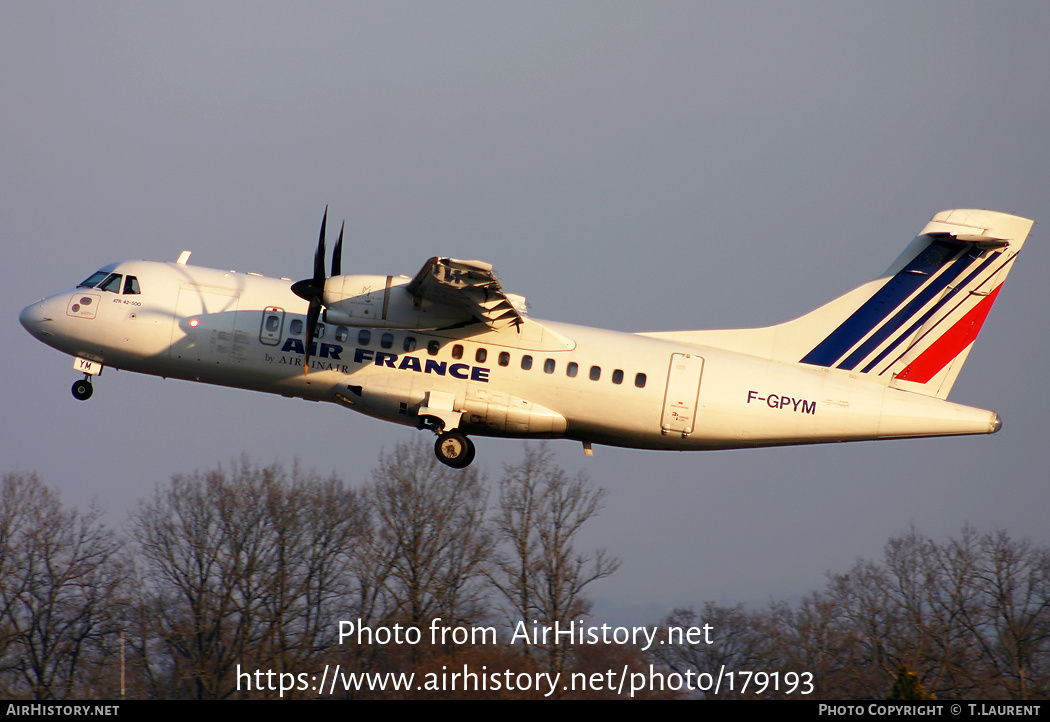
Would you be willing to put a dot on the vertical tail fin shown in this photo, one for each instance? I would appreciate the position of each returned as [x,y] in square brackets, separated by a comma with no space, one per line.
[916,330]
[913,327]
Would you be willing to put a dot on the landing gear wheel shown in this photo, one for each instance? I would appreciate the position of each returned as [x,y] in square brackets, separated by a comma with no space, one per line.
[82,390]
[454,449]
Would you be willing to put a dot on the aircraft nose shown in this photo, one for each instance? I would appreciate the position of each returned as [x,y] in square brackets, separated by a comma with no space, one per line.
[33,318]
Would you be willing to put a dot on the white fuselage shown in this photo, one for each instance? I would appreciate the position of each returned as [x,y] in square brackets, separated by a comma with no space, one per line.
[538,379]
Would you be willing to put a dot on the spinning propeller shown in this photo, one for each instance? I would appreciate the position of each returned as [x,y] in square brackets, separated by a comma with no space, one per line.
[312,289]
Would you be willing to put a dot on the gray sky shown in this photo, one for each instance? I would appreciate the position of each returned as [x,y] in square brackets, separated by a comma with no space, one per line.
[635,166]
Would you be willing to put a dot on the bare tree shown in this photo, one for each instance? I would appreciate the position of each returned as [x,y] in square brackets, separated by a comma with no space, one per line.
[430,537]
[1010,619]
[517,520]
[966,619]
[316,529]
[245,567]
[742,642]
[199,539]
[540,574]
[812,637]
[60,579]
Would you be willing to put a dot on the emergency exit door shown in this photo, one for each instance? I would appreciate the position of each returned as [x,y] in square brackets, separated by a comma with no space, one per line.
[683,394]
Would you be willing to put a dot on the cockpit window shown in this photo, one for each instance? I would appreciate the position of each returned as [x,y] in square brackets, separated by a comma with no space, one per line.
[105,281]
[94,279]
[112,283]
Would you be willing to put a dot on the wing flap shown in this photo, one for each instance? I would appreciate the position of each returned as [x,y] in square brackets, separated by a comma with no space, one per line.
[468,285]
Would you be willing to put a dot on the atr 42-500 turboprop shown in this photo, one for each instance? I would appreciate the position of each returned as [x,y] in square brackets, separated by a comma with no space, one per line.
[450,352]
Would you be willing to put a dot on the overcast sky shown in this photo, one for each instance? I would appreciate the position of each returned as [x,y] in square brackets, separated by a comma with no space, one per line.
[635,166]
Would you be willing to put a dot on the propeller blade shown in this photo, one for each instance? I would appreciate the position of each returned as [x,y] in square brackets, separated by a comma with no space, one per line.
[337,253]
[312,290]
[319,255]
[311,329]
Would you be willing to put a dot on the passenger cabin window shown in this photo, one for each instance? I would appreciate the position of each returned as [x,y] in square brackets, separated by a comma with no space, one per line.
[364,337]
[618,376]
[409,344]
[295,327]
[526,363]
[433,347]
[572,369]
[639,380]
[273,323]
[480,355]
[457,351]
[386,340]
[319,331]
[131,285]
[596,373]
[548,366]
[504,358]
[342,333]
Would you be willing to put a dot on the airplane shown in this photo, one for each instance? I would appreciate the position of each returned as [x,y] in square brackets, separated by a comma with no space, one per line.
[450,352]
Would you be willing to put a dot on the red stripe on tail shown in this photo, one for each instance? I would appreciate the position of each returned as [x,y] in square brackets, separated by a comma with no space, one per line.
[942,351]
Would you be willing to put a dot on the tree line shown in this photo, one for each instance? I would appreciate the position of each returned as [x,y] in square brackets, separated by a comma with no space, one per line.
[247,567]
[965,619]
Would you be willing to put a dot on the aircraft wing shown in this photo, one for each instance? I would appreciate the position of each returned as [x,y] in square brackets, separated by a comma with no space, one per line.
[468,285]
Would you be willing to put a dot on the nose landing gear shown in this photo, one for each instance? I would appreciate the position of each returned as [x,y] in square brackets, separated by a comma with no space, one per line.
[82,389]
[454,449]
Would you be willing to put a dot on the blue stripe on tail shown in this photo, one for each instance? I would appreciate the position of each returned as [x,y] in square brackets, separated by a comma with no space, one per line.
[875,310]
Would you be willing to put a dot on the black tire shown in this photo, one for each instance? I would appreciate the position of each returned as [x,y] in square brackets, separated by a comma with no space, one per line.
[82,390]
[454,449]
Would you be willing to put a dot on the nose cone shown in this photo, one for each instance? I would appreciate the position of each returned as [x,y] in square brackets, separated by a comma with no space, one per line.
[30,318]
[33,318]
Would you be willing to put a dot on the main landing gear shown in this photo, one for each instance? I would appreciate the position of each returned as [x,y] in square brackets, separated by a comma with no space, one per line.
[454,449]
[82,389]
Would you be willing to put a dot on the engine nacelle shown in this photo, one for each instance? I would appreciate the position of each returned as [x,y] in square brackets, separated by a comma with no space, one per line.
[384,301]
[486,412]
[490,411]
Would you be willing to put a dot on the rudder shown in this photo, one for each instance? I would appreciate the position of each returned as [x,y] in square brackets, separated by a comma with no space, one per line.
[917,329]
[912,327]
